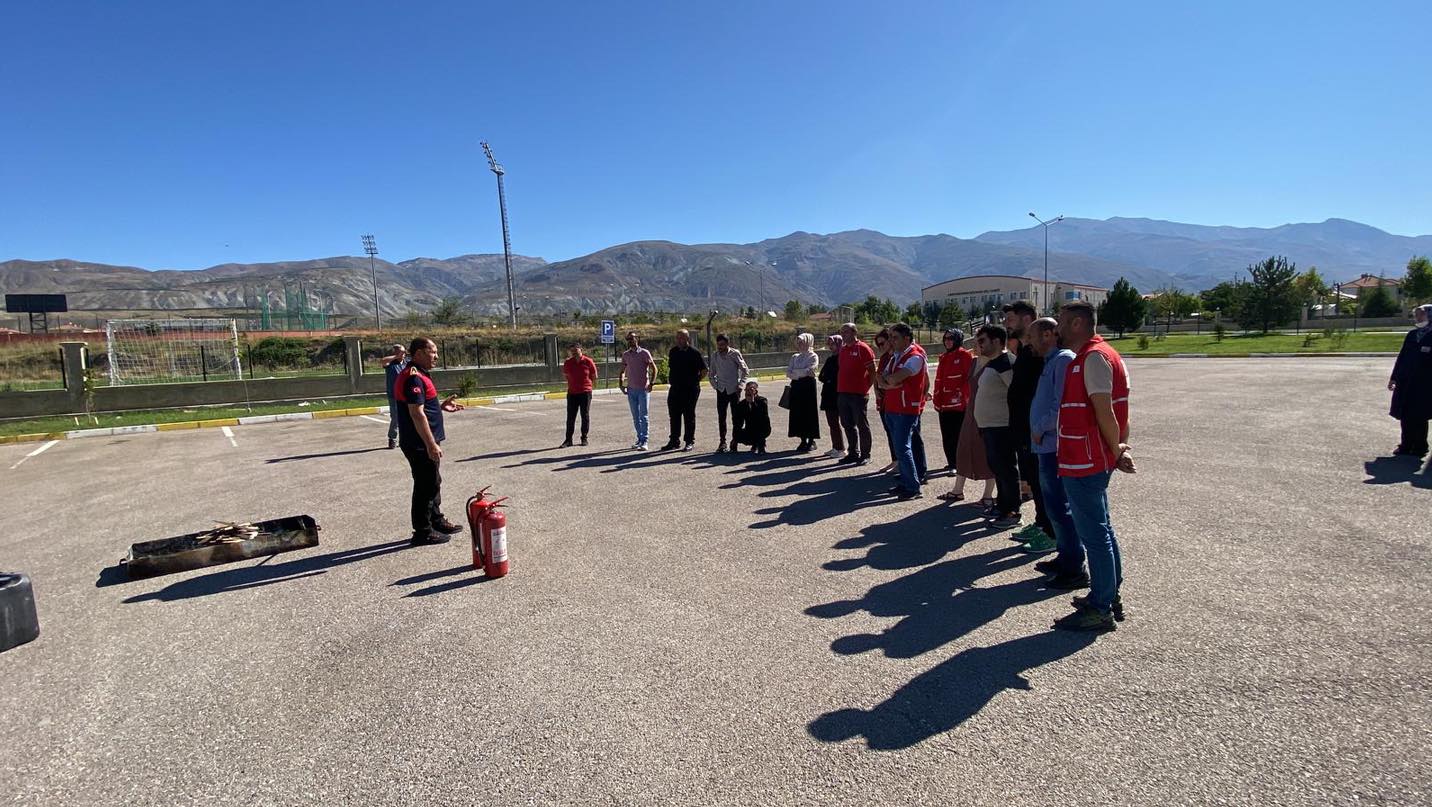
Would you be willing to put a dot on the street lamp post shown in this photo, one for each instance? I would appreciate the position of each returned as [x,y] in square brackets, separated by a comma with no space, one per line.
[370,246]
[1047,307]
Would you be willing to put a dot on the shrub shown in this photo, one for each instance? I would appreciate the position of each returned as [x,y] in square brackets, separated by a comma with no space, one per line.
[1218,332]
[1143,342]
[466,385]
[279,351]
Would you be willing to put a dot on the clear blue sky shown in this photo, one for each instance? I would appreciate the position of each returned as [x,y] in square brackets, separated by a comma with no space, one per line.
[186,134]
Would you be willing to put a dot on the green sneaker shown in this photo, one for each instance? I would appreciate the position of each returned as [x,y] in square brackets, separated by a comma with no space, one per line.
[1039,543]
[1025,534]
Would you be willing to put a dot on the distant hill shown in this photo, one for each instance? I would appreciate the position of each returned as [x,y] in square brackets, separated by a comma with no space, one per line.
[813,268]
[827,269]
[342,284]
[1199,257]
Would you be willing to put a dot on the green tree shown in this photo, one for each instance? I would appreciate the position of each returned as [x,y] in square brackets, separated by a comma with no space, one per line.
[816,308]
[1176,302]
[1125,309]
[974,311]
[1378,303]
[932,311]
[1271,298]
[1226,297]
[1310,288]
[449,311]
[1417,283]
[794,311]
[951,317]
[914,315]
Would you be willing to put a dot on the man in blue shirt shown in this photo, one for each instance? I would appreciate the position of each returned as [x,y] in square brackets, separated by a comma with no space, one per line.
[1066,568]
[393,366]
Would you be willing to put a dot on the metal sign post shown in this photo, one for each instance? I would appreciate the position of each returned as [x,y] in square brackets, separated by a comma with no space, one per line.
[607,337]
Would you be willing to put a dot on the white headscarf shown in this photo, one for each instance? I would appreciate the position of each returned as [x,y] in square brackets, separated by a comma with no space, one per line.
[807,342]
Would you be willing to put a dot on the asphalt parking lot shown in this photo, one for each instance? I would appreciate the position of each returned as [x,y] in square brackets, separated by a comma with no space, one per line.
[691,628]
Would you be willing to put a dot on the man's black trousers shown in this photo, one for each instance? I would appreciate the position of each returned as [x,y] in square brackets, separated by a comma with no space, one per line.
[681,406]
[427,490]
[579,402]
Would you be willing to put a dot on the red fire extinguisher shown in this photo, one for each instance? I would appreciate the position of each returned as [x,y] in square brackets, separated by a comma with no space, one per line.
[493,543]
[489,534]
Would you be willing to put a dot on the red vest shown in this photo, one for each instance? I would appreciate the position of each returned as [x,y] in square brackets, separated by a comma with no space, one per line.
[952,379]
[909,397]
[1082,450]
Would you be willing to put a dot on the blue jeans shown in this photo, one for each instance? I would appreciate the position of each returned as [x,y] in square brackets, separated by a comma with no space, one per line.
[1056,508]
[1089,505]
[637,401]
[908,449]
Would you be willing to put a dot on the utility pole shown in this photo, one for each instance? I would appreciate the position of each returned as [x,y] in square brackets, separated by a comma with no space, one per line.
[1048,307]
[370,246]
[496,168]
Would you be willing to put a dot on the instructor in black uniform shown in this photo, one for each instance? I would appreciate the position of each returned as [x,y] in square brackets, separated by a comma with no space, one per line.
[420,436]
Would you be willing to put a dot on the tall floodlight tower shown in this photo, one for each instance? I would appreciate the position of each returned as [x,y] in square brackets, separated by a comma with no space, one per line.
[370,246]
[496,168]
[1048,306]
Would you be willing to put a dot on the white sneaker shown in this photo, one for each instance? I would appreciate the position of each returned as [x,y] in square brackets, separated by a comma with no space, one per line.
[835,453]
[641,447]
[637,445]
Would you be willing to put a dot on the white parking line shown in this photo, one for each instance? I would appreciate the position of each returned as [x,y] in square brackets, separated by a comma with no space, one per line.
[375,420]
[510,411]
[230,434]
[39,450]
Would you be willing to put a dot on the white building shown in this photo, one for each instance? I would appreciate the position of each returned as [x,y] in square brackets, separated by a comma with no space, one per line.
[988,292]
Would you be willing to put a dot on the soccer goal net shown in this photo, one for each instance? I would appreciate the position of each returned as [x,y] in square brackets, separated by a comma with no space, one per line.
[167,351]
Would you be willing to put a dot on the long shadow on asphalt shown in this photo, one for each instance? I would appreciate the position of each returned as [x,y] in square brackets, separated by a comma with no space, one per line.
[947,695]
[821,499]
[237,578]
[439,588]
[497,455]
[937,603]
[1396,470]
[326,454]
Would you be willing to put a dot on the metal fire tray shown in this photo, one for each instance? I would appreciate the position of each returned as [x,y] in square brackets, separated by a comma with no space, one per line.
[199,549]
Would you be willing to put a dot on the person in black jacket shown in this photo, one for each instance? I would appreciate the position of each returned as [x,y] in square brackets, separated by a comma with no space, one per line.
[1028,367]
[830,395]
[685,369]
[1411,384]
[756,424]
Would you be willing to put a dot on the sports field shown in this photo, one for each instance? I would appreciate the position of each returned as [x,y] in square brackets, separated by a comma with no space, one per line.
[692,628]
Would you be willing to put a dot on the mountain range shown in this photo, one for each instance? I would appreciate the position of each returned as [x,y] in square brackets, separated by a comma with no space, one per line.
[665,276]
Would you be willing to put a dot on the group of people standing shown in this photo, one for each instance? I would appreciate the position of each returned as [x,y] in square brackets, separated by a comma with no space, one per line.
[1040,411]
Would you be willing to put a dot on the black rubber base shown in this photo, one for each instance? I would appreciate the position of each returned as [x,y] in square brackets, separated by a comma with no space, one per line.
[18,621]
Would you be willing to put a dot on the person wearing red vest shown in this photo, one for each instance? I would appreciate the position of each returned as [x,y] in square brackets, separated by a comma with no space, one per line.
[951,398]
[1092,437]
[904,381]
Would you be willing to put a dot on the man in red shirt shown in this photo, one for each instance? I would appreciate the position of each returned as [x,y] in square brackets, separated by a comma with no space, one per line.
[581,373]
[856,372]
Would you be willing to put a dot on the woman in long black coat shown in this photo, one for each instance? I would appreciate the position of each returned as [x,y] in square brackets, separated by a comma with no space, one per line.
[805,409]
[1411,385]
